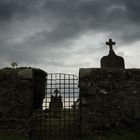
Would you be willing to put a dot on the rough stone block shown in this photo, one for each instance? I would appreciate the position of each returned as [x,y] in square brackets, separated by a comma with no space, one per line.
[25,73]
[109,98]
[17,91]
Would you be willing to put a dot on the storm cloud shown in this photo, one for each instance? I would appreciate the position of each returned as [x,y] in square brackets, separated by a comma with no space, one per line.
[63,35]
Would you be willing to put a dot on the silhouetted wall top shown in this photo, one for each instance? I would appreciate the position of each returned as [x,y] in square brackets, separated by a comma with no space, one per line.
[112,60]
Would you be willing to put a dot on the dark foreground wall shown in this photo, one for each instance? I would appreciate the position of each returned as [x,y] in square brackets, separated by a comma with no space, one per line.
[109,98]
[17,92]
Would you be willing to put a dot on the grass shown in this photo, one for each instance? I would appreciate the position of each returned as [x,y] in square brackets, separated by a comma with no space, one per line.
[11,136]
[65,122]
[115,135]
[51,124]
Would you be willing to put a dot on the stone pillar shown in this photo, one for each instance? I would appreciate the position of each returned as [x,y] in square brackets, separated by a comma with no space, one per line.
[110,98]
[16,99]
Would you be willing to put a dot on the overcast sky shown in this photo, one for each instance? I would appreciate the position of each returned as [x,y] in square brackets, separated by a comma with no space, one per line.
[65,35]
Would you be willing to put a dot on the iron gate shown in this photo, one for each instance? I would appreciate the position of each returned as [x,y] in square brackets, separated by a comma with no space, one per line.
[60,113]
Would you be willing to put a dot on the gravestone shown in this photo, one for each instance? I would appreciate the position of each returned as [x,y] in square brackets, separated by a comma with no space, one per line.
[112,60]
[55,104]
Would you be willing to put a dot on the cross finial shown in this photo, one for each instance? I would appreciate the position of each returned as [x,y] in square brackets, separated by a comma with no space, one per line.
[56,92]
[110,43]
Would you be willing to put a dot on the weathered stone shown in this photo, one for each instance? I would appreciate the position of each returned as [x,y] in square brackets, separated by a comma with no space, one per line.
[25,73]
[112,60]
[16,99]
[39,88]
[110,100]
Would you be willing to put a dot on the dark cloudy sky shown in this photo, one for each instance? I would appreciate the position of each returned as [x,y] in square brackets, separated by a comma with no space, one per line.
[65,35]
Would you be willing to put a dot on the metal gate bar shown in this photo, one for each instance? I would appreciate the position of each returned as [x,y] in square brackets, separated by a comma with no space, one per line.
[60,109]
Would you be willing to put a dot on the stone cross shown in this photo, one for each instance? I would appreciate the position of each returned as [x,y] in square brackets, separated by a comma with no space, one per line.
[112,60]
[56,92]
[110,43]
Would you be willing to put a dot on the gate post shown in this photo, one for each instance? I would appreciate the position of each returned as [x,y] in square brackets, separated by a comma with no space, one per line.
[110,99]
[16,99]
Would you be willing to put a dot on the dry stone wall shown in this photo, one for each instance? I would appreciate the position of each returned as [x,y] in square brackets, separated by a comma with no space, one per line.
[109,98]
[16,99]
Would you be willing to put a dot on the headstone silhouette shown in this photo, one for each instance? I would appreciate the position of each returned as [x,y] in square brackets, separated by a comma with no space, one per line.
[112,60]
[56,104]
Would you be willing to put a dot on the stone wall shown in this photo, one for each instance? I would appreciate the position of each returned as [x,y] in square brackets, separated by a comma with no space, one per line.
[16,99]
[38,88]
[109,99]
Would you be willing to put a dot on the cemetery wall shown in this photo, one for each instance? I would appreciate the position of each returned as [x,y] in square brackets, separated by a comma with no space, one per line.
[17,91]
[110,98]
[39,82]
